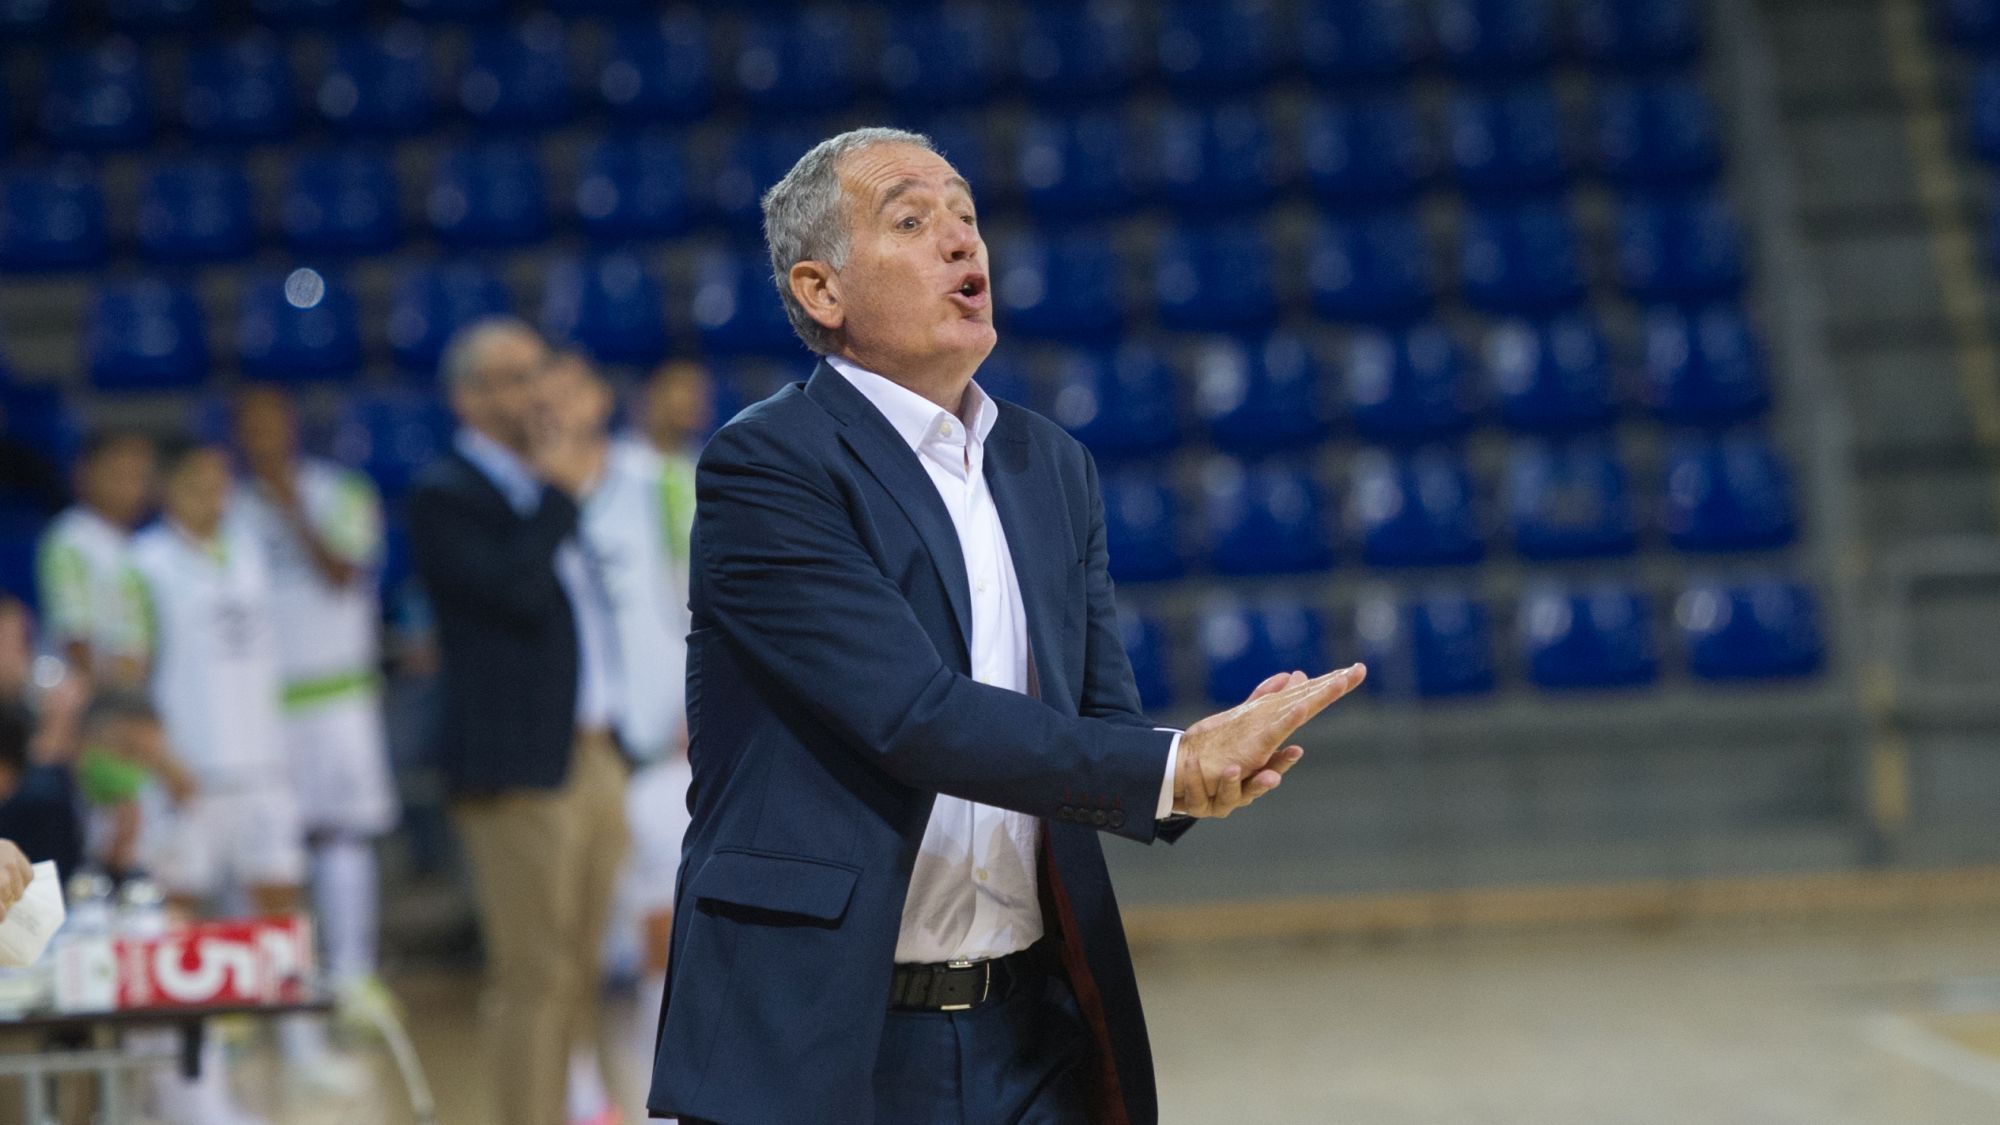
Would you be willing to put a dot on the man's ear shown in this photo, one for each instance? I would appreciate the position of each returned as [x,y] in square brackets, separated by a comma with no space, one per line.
[816,287]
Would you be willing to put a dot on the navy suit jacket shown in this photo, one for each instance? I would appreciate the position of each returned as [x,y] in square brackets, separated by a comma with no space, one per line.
[829,702]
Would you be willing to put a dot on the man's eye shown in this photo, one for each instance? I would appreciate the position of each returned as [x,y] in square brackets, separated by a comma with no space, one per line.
[970,220]
[908,222]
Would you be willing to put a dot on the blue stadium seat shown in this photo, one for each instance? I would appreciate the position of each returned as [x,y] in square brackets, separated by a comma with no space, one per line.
[1507,140]
[1727,493]
[1485,38]
[1765,629]
[791,61]
[1415,509]
[44,416]
[298,327]
[612,306]
[458,11]
[1259,396]
[145,334]
[1142,526]
[51,218]
[98,98]
[1366,150]
[196,211]
[1658,133]
[1524,258]
[390,434]
[146,17]
[1120,403]
[429,301]
[1680,248]
[961,138]
[1343,41]
[1242,646]
[1266,517]
[380,84]
[1218,158]
[635,185]
[752,161]
[1372,269]
[488,194]
[1073,52]
[1569,499]
[1409,385]
[1550,375]
[736,309]
[1631,34]
[1703,366]
[1151,655]
[936,56]
[1436,646]
[1083,164]
[20,534]
[1216,278]
[1595,637]
[307,13]
[27,20]
[599,7]
[518,76]
[342,201]
[239,90]
[657,69]
[1982,108]
[1063,286]
[1206,46]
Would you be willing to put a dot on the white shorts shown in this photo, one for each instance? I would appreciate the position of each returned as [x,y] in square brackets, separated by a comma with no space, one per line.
[338,756]
[225,840]
[656,810]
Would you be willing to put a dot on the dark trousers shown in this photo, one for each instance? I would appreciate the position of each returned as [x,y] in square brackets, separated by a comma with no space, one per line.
[1021,1060]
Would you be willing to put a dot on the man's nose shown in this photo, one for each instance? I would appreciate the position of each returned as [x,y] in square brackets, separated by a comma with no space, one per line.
[959,242]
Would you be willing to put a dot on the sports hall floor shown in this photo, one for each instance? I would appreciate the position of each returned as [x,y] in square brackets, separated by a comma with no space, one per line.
[1882,1020]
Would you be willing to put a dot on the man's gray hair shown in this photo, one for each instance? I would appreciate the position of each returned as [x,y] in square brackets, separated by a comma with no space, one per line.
[464,354]
[805,219]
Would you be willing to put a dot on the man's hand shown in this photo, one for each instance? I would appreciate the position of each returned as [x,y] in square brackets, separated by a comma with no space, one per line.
[1230,759]
[15,875]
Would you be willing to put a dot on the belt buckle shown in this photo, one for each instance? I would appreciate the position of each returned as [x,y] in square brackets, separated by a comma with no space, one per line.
[985,983]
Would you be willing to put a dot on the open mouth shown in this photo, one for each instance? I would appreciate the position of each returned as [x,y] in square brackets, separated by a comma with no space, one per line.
[971,289]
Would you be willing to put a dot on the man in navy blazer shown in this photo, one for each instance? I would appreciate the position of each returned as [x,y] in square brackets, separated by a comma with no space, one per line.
[910,714]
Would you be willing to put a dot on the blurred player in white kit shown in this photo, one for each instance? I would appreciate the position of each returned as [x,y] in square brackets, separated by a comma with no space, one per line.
[635,527]
[319,528]
[213,663]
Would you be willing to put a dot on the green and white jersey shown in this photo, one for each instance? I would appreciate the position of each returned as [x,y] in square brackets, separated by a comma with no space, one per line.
[85,577]
[327,635]
[214,653]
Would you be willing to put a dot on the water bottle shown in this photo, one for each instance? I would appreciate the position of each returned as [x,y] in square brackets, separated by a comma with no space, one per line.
[86,966]
[142,910]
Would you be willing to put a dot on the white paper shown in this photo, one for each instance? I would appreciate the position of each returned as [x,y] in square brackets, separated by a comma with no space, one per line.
[34,920]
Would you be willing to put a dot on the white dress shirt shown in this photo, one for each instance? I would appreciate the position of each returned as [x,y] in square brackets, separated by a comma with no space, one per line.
[597,677]
[974,891]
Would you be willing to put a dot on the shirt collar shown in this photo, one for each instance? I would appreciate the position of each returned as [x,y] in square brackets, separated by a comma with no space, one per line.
[914,417]
[508,473]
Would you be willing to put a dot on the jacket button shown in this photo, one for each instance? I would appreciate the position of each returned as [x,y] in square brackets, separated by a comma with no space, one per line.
[1117,818]
[1100,818]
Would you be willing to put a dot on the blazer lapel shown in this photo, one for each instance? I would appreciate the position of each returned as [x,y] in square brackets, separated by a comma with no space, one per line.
[1027,499]
[875,443]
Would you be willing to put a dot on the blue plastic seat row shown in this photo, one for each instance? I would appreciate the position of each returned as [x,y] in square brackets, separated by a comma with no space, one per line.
[304,324]
[1442,644]
[659,67]
[1409,386]
[1062,48]
[1561,500]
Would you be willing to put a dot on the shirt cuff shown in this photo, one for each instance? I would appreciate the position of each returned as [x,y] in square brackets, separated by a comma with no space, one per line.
[1165,808]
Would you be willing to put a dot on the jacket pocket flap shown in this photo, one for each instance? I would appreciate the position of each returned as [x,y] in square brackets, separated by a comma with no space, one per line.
[786,884]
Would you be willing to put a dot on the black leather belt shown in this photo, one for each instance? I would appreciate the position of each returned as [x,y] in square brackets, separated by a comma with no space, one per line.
[957,986]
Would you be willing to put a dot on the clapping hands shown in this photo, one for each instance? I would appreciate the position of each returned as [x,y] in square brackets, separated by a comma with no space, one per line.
[1232,758]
